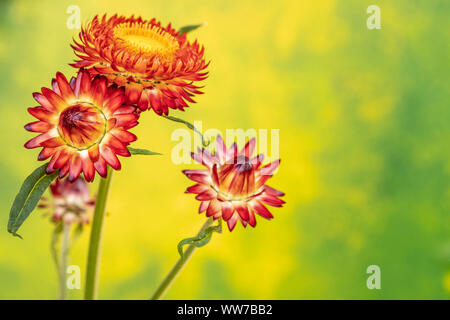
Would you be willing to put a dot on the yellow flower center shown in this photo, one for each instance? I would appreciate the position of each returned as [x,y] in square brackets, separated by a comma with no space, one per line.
[146,38]
[236,180]
[81,125]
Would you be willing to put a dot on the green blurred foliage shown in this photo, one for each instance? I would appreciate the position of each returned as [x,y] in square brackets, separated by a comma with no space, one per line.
[364,142]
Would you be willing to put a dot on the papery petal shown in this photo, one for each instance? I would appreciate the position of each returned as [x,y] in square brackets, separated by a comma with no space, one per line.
[199,176]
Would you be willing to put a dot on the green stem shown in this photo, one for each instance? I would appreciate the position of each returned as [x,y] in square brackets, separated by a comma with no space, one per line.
[93,262]
[63,261]
[171,276]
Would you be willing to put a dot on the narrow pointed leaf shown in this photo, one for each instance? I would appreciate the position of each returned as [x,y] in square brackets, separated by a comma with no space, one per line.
[190,126]
[190,28]
[28,197]
[145,152]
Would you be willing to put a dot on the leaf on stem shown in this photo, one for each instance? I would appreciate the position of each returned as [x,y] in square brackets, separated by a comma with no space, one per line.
[28,197]
[190,28]
[145,152]
[200,240]
[205,142]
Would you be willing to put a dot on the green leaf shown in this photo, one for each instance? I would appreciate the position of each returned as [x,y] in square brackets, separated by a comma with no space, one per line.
[28,197]
[190,28]
[205,143]
[203,237]
[145,152]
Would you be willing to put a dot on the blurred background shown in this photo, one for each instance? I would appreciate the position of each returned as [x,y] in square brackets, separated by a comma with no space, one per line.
[364,142]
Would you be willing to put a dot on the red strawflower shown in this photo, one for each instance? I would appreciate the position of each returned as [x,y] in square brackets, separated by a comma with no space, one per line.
[233,185]
[70,202]
[157,65]
[83,126]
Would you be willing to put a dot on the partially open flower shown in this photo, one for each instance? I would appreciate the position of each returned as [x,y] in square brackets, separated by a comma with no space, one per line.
[156,64]
[233,186]
[70,202]
[83,126]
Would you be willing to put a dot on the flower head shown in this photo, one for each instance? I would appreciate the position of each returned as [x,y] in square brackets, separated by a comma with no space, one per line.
[83,126]
[70,201]
[233,185]
[156,64]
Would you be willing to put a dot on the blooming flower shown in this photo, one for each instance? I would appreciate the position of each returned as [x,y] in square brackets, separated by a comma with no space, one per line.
[70,201]
[156,64]
[83,126]
[233,186]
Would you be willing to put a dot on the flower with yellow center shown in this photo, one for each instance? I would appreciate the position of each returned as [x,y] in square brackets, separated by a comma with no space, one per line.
[83,126]
[233,186]
[156,64]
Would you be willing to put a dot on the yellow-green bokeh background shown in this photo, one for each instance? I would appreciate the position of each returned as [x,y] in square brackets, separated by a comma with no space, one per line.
[364,142]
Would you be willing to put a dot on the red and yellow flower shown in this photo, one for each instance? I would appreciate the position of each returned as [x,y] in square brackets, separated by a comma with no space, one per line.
[156,64]
[83,126]
[233,185]
[70,202]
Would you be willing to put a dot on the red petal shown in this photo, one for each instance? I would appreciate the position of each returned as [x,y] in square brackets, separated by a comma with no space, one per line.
[41,113]
[110,157]
[273,192]
[45,153]
[271,200]
[117,147]
[124,136]
[199,176]
[249,148]
[43,101]
[38,126]
[55,100]
[260,209]
[83,86]
[88,169]
[94,153]
[232,222]
[197,188]
[64,170]
[114,101]
[215,175]
[101,168]
[62,159]
[242,209]
[38,140]
[209,194]
[133,93]
[99,86]
[221,149]
[64,87]
[203,206]
[75,167]
[227,210]
[126,121]
[270,168]
[53,142]
[213,208]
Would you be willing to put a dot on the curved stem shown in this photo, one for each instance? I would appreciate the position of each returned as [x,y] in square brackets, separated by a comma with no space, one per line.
[171,276]
[93,260]
[63,262]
